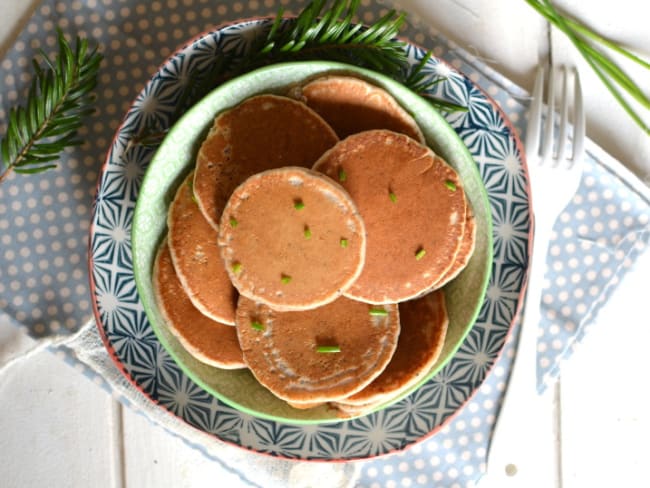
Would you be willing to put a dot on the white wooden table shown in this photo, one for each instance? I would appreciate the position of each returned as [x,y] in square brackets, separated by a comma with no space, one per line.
[59,429]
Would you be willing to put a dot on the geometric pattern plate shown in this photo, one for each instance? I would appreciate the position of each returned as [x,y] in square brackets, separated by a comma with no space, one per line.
[135,349]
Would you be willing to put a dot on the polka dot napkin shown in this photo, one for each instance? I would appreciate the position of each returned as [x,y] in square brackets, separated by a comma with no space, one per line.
[44,220]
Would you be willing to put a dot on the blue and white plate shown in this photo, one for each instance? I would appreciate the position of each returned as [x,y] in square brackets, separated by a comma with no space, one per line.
[136,350]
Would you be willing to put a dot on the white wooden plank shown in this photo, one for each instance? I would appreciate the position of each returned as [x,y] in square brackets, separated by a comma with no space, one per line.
[153,457]
[55,426]
[14,15]
[604,399]
[507,35]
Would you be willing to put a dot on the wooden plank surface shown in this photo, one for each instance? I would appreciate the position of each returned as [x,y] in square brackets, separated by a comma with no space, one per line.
[60,429]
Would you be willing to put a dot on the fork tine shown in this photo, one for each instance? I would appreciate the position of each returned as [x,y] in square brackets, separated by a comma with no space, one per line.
[547,148]
[535,116]
[579,121]
[564,115]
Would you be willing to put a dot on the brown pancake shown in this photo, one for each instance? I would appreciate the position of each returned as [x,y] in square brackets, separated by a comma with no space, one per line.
[281,348]
[208,341]
[292,238]
[352,105]
[424,324]
[413,205]
[261,133]
[464,252]
[197,261]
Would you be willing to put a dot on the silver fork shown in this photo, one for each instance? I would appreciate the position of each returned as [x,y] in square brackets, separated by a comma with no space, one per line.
[554,179]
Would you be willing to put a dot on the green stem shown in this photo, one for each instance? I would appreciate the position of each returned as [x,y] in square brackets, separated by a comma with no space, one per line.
[599,63]
[587,32]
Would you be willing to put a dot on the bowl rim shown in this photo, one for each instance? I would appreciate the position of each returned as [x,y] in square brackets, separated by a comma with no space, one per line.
[326,67]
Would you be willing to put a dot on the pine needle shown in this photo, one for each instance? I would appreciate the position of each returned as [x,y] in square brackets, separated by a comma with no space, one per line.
[58,100]
[323,30]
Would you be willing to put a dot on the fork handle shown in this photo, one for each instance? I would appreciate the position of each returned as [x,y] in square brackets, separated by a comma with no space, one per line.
[513,454]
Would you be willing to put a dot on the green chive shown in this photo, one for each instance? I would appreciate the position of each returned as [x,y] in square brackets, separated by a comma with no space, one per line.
[286,279]
[190,185]
[298,205]
[451,185]
[257,325]
[342,175]
[236,267]
[328,349]
[343,242]
[307,233]
[233,222]
[420,253]
[393,197]
[378,312]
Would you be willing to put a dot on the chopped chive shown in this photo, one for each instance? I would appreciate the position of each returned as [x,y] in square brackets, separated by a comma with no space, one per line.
[343,242]
[286,279]
[257,325]
[307,233]
[420,253]
[236,267]
[328,349]
[233,222]
[190,185]
[342,175]
[451,185]
[378,312]
[298,204]
[392,196]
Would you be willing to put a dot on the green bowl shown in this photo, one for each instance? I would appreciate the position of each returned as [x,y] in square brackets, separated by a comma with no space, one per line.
[175,158]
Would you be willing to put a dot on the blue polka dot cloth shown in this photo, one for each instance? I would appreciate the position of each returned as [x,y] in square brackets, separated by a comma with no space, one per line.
[45,219]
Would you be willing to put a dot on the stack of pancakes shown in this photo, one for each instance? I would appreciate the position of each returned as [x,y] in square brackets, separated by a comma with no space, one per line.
[311,243]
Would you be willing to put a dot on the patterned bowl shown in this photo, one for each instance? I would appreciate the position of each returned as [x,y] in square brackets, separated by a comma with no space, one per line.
[175,156]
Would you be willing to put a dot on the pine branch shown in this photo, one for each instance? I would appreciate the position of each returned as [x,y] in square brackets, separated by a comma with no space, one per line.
[324,30]
[58,100]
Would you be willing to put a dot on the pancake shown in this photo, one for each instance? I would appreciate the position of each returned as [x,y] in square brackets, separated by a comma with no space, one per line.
[413,205]
[281,348]
[193,245]
[464,252]
[262,132]
[292,239]
[208,341]
[424,324]
[352,105]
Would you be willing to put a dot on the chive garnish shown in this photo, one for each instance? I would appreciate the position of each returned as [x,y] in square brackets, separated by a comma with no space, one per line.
[343,242]
[378,312]
[392,196]
[451,185]
[190,185]
[420,253]
[328,349]
[298,205]
[236,267]
[257,325]
[233,222]
[286,279]
[307,233]
[342,175]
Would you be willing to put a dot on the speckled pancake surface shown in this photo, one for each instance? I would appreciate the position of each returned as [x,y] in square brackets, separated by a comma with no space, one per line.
[292,238]
[262,132]
[282,348]
[424,324]
[208,341]
[350,105]
[195,253]
[413,206]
